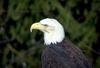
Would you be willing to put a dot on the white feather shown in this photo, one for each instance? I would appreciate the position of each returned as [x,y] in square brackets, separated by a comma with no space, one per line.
[55,31]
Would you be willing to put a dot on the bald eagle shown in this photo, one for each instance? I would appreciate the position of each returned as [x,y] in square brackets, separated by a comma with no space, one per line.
[58,52]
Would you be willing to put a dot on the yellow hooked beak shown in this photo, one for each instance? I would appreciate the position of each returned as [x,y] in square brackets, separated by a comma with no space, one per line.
[38,26]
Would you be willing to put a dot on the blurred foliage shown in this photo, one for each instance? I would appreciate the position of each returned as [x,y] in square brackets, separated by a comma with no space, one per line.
[20,48]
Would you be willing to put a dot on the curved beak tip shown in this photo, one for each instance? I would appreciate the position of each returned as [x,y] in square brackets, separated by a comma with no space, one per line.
[31,29]
[33,26]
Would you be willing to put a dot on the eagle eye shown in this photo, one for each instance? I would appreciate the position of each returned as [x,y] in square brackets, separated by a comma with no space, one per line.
[45,24]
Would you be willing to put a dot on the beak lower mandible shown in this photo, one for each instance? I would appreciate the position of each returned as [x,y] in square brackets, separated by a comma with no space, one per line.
[38,26]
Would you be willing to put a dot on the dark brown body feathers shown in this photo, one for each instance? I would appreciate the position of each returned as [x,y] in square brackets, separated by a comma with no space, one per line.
[63,55]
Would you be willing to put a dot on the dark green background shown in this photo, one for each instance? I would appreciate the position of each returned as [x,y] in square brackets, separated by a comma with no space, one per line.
[21,48]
